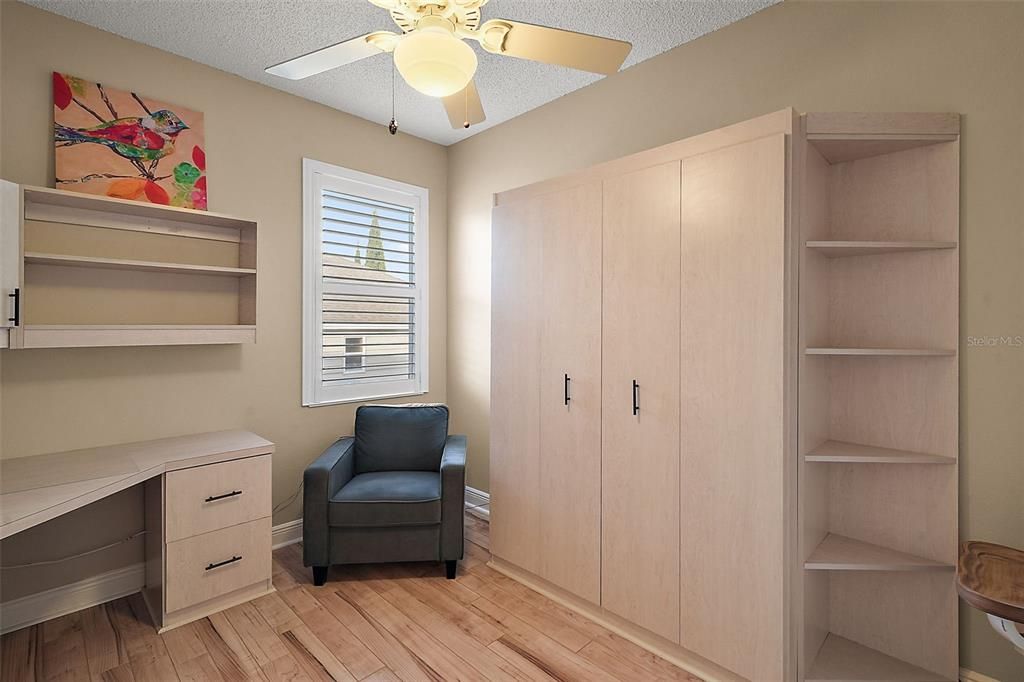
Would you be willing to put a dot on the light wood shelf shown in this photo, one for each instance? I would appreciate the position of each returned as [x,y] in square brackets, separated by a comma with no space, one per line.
[841,451]
[113,296]
[839,249]
[840,553]
[83,336]
[879,278]
[122,264]
[36,198]
[882,352]
[843,660]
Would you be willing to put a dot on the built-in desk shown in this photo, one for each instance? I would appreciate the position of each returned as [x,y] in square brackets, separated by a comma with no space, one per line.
[208,504]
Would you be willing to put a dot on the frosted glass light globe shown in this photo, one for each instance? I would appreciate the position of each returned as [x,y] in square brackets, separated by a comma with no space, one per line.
[435,62]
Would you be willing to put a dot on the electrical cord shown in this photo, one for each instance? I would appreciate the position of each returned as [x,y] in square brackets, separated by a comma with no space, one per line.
[287,502]
[50,562]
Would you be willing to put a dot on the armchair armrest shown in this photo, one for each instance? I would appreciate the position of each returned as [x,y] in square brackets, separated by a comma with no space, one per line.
[321,480]
[453,494]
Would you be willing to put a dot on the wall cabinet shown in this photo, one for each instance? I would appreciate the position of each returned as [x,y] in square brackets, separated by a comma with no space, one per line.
[650,343]
[86,270]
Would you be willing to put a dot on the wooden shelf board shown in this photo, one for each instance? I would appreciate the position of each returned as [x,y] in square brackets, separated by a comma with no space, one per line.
[843,660]
[881,351]
[843,147]
[841,451]
[81,336]
[839,249]
[96,202]
[840,553]
[141,265]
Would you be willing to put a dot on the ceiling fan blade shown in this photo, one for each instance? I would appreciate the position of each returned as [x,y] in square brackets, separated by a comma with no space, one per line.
[558,46]
[336,55]
[464,107]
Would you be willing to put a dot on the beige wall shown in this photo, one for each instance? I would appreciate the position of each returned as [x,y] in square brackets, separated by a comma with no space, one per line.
[256,138]
[963,57]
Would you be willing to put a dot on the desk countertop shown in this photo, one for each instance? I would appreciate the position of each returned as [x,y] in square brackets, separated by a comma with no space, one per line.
[38,488]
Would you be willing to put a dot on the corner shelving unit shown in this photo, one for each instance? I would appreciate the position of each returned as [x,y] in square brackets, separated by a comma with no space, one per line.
[98,271]
[878,426]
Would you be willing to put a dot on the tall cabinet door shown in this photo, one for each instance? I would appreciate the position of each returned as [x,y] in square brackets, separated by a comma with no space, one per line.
[570,391]
[640,425]
[734,407]
[515,391]
[10,256]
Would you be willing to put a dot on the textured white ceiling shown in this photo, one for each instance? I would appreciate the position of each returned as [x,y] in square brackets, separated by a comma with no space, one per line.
[245,36]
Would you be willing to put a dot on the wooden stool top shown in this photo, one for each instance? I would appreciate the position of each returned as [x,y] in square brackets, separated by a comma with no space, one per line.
[990,577]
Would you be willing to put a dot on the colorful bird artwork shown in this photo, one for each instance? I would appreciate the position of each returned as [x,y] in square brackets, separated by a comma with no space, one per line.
[156,154]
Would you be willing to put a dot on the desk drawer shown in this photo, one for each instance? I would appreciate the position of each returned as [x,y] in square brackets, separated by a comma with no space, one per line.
[210,565]
[201,499]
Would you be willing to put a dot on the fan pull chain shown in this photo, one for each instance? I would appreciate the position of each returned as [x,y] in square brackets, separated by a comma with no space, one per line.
[465,123]
[393,126]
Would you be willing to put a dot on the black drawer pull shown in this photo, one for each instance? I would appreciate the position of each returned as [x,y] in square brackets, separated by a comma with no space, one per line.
[567,380]
[636,397]
[232,560]
[214,498]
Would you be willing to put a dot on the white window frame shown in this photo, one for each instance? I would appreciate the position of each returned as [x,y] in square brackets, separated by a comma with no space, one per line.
[316,176]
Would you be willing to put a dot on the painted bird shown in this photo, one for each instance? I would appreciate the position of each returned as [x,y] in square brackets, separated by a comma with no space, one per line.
[138,139]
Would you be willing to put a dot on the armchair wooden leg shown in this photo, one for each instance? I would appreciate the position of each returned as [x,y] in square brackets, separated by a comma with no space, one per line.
[319,575]
[449,569]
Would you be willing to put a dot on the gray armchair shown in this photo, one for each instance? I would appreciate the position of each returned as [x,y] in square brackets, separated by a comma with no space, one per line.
[393,492]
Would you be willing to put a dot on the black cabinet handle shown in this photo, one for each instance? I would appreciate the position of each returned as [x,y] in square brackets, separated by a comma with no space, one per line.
[210,567]
[233,493]
[636,397]
[567,380]
[17,307]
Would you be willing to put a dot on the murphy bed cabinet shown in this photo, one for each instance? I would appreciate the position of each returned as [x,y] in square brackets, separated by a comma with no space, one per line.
[87,270]
[680,337]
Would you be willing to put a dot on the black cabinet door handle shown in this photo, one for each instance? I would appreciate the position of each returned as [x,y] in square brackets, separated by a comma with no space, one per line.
[567,380]
[17,307]
[636,397]
[213,498]
[210,567]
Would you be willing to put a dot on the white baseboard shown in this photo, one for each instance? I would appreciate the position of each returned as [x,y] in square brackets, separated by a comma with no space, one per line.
[478,503]
[971,676]
[60,601]
[285,534]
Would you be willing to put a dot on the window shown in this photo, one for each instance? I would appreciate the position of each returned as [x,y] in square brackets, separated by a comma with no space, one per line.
[364,289]
[353,354]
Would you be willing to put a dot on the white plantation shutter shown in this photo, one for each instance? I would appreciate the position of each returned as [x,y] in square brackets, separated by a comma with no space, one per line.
[364,297]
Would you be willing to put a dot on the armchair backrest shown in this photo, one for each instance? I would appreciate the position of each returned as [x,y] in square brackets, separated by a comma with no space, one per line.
[400,437]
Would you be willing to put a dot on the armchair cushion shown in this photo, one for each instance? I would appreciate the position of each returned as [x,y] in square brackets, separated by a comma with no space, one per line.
[388,498]
[400,437]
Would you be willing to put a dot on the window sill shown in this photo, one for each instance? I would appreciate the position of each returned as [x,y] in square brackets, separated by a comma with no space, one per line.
[368,399]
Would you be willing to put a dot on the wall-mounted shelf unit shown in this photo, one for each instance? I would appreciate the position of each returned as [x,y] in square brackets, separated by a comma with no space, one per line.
[95,271]
[878,425]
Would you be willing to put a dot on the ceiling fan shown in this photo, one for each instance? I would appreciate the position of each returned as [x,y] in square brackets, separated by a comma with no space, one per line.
[432,57]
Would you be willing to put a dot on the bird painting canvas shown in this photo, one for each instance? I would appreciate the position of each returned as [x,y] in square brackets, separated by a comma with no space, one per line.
[119,144]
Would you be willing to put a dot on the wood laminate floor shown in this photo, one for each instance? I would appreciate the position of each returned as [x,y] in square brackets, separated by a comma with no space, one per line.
[375,623]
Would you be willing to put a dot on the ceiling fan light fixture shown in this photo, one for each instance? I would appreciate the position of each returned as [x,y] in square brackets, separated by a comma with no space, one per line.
[435,62]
